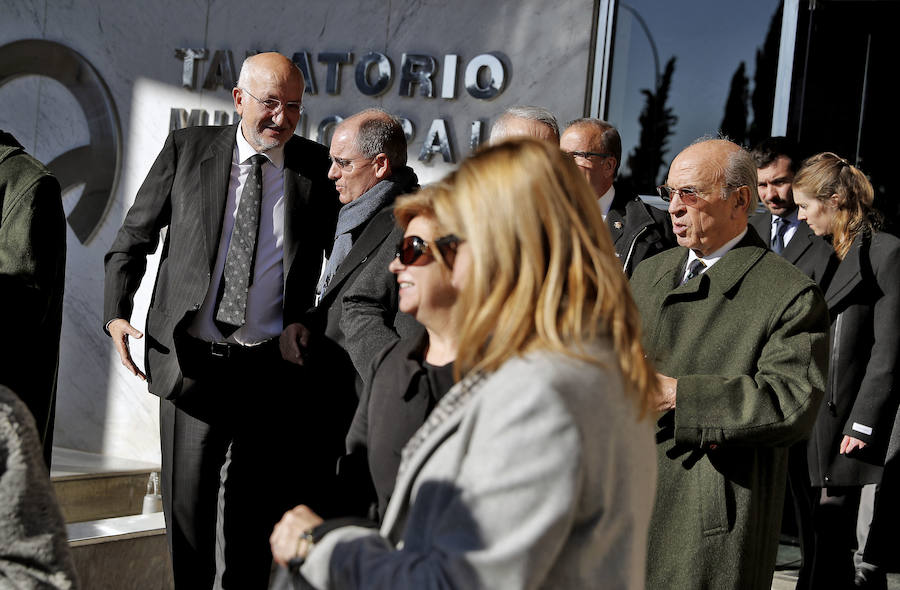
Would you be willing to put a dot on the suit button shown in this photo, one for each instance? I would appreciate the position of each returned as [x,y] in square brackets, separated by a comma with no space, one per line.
[827,479]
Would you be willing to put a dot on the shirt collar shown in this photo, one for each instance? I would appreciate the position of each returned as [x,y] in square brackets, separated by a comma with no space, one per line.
[245,151]
[790,217]
[606,200]
[718,254]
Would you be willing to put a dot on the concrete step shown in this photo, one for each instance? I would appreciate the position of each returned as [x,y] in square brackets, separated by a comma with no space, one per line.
[91,487]
[124,553]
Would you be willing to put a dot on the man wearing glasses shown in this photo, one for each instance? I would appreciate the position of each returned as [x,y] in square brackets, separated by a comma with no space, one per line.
[739,337]
[368,166]
[638,230]
[249,213]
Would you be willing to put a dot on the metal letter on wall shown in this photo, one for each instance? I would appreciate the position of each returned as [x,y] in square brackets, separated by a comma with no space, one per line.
[475,135]
[409,130]
[494,85]
[221,71]
[417,69]
[326,128]
[385,71]
[448,85]
[189,71]
[301,59]
[437,141]
[96,165]
[333,77]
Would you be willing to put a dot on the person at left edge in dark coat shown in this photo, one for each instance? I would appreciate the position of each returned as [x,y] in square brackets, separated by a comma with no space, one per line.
[848,445]
[32,280]
[638,230]
[249,213]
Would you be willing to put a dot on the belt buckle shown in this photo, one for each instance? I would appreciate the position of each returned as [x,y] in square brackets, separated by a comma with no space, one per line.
[220,349]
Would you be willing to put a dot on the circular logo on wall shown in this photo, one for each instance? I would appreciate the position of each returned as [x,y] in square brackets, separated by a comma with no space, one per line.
[97,164]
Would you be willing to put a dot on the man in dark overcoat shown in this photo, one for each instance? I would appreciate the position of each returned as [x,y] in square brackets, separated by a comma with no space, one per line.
[741,374]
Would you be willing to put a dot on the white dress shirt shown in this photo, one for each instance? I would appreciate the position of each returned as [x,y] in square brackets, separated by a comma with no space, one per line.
[606,200]
[713,258]
[791,230]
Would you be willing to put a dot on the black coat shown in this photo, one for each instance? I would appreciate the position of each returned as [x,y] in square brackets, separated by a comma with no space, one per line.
[638,230]
[395,403]
[808,252]
[861,399]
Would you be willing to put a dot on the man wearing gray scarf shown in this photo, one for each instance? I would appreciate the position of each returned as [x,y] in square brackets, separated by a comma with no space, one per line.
[368,155]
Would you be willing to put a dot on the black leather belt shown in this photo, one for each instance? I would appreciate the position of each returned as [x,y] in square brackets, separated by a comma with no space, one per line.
[230,351]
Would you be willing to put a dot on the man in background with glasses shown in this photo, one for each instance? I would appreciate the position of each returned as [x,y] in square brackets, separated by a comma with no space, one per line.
[638,230]
[249,213]
[739,337]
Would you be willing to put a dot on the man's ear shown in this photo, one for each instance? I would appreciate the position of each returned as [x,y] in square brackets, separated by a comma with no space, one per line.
[742,200]
[382,166]
[238,97]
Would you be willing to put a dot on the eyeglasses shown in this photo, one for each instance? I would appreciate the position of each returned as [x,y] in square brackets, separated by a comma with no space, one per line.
[274,106]
[412,248]
[689,195]
[345,164]
[589,155]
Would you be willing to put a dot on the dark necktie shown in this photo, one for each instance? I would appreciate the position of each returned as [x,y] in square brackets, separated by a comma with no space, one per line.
[694,268]
[236,278]
[778,237]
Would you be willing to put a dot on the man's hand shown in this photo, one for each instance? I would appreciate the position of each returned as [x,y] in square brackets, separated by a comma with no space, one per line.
[286,540]
[293,343]
[850,444]
[665,394]
[120,330]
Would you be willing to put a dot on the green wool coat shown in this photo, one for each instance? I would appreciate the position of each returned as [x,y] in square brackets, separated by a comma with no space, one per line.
[32,278]
[748,343]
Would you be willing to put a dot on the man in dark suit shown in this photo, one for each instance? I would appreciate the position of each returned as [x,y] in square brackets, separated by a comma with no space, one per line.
[777,160]
[638,230]
[249,214]
[368,166]
[742,373]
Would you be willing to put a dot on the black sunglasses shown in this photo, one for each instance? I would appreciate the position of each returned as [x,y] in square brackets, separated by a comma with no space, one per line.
[411,248]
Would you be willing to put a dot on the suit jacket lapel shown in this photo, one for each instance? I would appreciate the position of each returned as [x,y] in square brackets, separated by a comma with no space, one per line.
[846,277]
[800,243]
[296,198]
[215,174]
[370,238]
[616,224]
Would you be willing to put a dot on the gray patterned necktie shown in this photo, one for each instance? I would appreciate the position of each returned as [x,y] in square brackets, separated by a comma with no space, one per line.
[778,238]
[694,269]
[236,278]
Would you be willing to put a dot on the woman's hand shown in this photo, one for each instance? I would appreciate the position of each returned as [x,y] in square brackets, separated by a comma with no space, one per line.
[850,444]
[287,539]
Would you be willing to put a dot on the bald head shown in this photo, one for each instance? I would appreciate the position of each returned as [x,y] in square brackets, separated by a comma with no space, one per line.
[722,177]
[365,149]
[268,79]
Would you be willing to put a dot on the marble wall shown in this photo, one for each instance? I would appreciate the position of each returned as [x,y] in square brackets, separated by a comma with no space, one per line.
[545,48]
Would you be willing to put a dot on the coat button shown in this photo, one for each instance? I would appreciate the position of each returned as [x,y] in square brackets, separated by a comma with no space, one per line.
[827,479]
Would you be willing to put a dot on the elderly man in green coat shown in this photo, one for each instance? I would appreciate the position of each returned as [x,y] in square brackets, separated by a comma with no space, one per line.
[32,278]
[739,337]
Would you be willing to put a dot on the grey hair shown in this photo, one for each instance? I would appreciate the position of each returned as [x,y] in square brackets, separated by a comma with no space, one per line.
[533,113]
[381,132]
[612,142]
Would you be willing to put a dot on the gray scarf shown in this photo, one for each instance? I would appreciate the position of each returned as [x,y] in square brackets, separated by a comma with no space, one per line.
[359,212]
